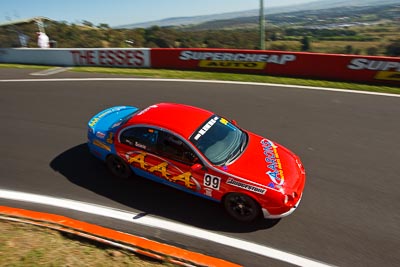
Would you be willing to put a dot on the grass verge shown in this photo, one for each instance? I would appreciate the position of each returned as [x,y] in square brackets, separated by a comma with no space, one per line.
[28,245]
[20,66]
[200,75]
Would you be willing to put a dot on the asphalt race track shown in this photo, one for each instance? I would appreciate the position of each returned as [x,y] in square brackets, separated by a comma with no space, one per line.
[349,144]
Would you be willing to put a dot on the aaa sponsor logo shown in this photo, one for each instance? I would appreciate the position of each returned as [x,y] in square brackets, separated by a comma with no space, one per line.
[101,145]
[163,170]
[104,113]
[274,166]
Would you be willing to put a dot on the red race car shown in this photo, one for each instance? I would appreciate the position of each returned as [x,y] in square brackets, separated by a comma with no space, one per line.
[202,153]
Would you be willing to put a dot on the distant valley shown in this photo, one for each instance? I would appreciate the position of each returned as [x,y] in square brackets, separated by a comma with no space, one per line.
[250,15]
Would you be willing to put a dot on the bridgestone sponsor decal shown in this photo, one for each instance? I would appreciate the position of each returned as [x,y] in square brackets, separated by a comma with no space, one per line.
[248,187]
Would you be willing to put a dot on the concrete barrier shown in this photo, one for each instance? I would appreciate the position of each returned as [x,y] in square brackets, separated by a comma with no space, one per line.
[104,57]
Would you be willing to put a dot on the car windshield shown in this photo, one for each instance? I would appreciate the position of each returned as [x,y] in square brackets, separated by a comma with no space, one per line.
[219,140]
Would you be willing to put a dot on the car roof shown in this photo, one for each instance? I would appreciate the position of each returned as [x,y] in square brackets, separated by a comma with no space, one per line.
[179,118]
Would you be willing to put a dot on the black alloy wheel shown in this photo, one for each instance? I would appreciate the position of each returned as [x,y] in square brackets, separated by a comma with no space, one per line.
[241,207]
[118,167]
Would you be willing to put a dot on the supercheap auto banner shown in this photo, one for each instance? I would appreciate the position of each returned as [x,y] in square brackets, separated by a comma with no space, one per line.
[278,63]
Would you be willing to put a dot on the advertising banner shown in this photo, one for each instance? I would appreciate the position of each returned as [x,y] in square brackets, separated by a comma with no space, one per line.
[337,67]
[115,57]
[278,63]
[102,57]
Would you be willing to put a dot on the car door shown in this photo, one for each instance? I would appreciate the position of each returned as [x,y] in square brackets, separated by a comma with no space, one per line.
[137,146]
[184,161]
[178,160]
[166,158]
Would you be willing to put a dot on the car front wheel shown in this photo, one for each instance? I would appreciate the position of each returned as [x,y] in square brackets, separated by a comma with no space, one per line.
[118,167]
[241,207]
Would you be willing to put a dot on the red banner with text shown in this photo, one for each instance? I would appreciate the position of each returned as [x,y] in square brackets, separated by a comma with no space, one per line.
[354,68]
[111,57]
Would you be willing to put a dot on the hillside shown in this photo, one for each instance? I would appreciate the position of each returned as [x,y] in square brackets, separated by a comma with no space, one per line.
[368,30]
[314,5]
[322,18]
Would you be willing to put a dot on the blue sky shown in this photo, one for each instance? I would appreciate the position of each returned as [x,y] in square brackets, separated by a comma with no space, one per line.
[119,12]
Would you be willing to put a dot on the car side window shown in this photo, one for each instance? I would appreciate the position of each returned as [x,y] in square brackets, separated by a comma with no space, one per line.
[140,137]
[171,146]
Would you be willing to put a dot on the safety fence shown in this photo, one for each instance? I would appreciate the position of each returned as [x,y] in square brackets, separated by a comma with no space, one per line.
[338,67]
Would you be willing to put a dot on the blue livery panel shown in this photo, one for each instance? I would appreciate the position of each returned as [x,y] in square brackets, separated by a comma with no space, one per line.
[102,128]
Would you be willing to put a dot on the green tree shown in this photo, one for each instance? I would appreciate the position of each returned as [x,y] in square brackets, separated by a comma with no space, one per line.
[279,46]
[87,23]
[348,49]
[393,49]
[103,26]
[305,44]
[372,51]
[273,36]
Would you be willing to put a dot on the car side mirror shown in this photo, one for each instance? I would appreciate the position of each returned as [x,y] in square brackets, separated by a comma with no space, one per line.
[196,167]
[189,156]
[234,122]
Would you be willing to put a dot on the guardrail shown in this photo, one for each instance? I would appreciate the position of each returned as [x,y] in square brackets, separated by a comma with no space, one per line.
[338,67]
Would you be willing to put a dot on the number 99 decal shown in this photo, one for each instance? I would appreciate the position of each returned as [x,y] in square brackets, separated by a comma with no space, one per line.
[212,181]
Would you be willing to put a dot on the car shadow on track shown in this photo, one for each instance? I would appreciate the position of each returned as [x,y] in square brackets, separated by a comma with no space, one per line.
[149,197]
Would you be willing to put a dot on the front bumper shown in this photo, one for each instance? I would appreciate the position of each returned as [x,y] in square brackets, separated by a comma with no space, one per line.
[267,215]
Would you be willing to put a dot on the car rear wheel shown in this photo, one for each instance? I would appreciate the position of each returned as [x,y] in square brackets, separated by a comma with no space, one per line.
[118,167]
[241,207]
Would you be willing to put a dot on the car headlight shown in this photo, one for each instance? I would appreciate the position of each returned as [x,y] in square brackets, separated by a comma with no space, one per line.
[289,199]
[286,199]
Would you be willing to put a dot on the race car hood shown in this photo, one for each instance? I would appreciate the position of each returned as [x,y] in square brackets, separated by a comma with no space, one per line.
[110,118]
[270,164]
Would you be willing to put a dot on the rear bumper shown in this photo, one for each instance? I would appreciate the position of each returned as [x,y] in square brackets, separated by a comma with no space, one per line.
[267,215]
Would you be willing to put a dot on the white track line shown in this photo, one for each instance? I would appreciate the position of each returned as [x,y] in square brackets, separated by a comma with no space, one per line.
[201,81]
[49,72]
[150,221]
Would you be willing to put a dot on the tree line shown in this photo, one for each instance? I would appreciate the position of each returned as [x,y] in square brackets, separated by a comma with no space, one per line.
[87,35]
